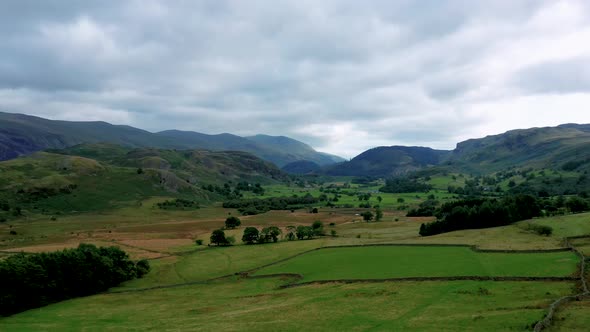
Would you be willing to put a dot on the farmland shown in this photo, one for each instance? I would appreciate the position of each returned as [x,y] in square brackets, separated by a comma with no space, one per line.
[379,271]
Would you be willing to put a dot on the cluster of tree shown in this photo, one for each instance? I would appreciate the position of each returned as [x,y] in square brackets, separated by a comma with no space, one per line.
[254,188]
[481,213]
[267,234]
[178,204]
[40,192]
[560,205]
[225,191]
[368,215]
[305,232]
[404,185]
[31,281]
[257,205]
[425,209]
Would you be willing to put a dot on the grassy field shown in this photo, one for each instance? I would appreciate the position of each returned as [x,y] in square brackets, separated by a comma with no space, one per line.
[251,304]
[382,262]
[254,305]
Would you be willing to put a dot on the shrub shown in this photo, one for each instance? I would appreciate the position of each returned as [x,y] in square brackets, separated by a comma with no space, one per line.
[199,242]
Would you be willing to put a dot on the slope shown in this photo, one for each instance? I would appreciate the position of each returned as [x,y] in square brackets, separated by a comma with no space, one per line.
[388,161]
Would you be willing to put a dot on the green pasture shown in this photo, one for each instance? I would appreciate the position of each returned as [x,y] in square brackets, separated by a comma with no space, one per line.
[256,305]
[381,262]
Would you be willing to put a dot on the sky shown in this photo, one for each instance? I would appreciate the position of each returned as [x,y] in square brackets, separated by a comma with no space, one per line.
[342,76]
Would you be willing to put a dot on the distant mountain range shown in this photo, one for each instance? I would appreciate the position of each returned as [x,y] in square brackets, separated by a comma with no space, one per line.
[22,134]
[566,146]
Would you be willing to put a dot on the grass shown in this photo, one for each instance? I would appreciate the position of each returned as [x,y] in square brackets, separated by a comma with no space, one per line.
[413,261]
[568,225]
[254,305]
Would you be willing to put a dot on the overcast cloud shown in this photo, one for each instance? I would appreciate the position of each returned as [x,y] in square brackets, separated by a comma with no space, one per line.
[343,76]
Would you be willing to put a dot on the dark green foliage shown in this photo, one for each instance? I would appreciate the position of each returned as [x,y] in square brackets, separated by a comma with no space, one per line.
[378,214]
[232,222]
[31,281]
[304,232]
[425,209]
[142,267]
[250,235]
[199,242]
[269,234]
[367,216]
[539,229]
[257,205]
[218,238]
[178,204]
[481,213]
[318,228]
[404,185]
[577,204]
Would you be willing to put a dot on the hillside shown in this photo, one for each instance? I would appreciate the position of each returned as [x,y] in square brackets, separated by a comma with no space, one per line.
[103,176]
[565,147]
[549,147]
[279,150]
[388,161]
[301,167]
[23,134]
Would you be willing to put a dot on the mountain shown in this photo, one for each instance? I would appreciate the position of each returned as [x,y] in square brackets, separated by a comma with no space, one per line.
[387,161]
[563,147]
[279,150]
[301,167]
[91,177]
[549,147]
[23,134]
[296,150]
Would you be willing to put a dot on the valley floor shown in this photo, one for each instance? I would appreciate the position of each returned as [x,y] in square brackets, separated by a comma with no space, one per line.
[199,288]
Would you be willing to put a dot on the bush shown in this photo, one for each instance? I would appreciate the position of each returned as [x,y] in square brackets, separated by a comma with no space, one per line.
[199,242]
[539,229]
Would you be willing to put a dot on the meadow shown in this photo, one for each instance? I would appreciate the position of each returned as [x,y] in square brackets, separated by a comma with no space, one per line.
[200,288]
[382,262]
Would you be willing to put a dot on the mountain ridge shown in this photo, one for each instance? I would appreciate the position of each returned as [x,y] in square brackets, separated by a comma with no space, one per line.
[22,134]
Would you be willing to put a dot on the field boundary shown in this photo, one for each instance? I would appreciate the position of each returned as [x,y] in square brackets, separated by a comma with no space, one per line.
[548,319]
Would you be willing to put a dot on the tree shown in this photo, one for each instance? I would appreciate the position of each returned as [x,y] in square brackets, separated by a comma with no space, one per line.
[218,237]
[576,204]
[250,235]
[379,198]
[367,216]
[378,214]
[303,232]
[270,233]
[232,222]
[318,228]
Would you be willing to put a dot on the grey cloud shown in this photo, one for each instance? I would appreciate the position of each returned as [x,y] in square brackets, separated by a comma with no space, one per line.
[392,72]
[564,76]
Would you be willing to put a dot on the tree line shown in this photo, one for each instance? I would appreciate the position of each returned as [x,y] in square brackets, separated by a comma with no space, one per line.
[261,205]
[34,280]
[481,213]
[404,185]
